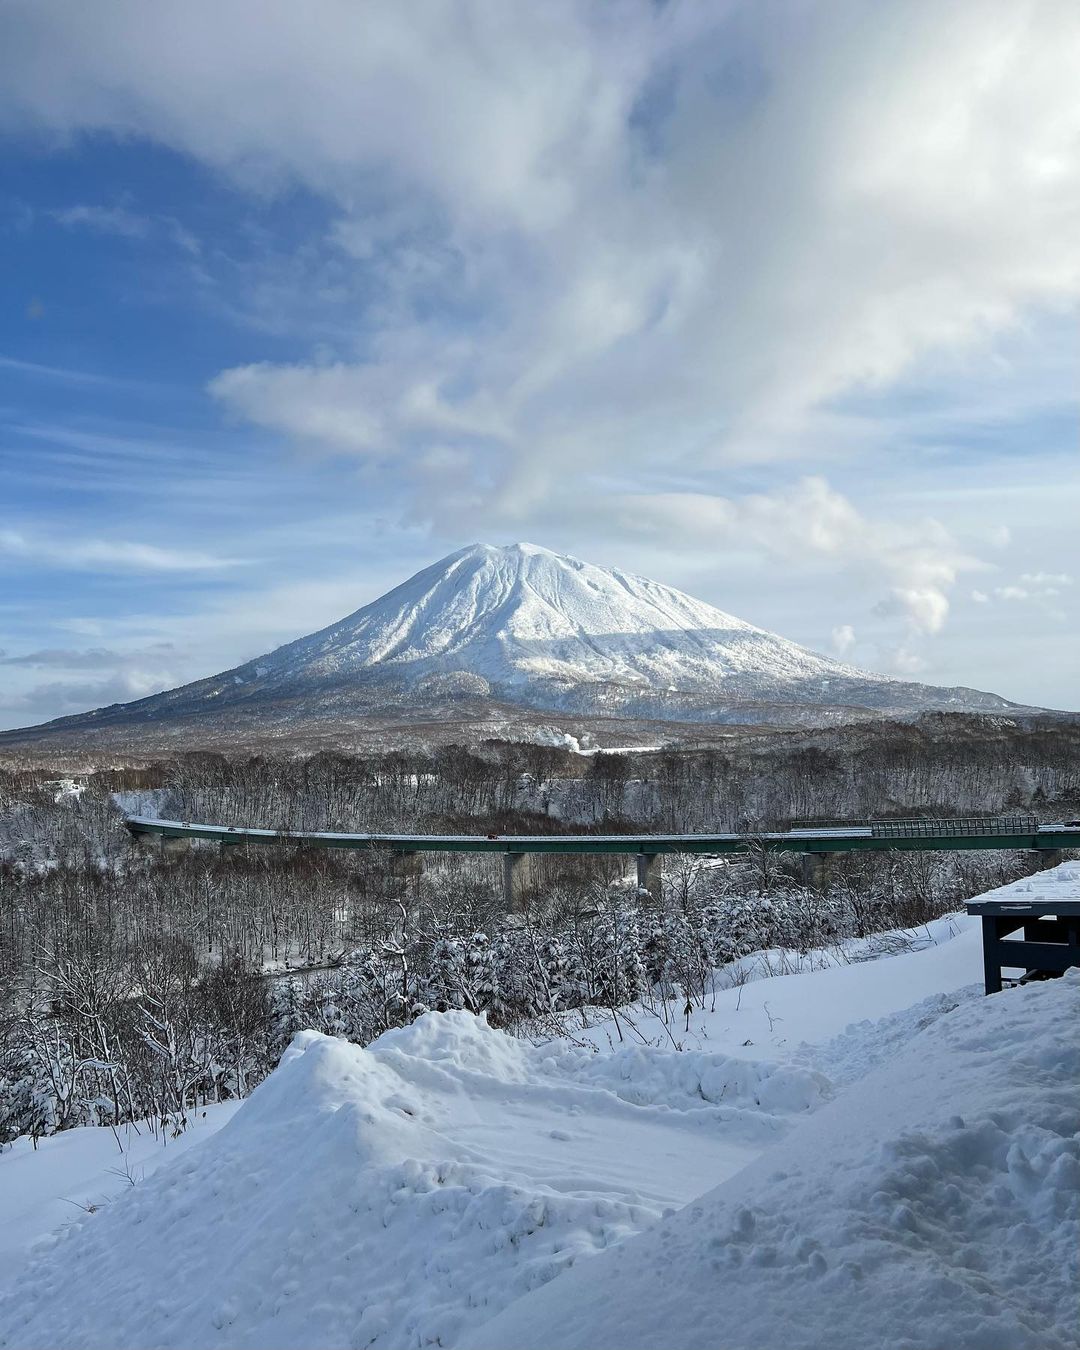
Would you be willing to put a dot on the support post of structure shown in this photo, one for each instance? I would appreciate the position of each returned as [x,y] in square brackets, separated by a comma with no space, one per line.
[1048,857]
[991,955]
[174,844]
[814,870]
[517,877]
[650,875]
[404,866]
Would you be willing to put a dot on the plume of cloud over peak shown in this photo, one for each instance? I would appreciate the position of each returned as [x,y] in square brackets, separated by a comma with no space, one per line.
[872,197]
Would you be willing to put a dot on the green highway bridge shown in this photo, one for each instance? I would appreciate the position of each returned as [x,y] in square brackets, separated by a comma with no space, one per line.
[815,843]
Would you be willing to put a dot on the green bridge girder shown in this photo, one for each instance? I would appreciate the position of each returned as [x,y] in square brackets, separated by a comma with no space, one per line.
[854,840]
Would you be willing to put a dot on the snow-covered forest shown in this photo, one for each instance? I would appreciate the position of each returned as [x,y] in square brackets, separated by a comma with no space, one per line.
[138,984]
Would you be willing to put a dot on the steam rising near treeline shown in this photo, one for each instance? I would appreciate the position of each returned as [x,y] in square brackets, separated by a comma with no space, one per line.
[138,984]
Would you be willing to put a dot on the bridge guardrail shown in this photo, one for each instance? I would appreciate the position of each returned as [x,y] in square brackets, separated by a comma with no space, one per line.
[965,826]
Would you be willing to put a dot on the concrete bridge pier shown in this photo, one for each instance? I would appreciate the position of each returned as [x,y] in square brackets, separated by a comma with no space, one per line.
[814,870]
[403,868]
[1047,857]
[650,875]
[162,844]
[518,876]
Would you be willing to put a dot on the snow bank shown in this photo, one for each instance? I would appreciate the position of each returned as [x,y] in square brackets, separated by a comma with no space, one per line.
[429,1188]
[935,1203]
[401,1194]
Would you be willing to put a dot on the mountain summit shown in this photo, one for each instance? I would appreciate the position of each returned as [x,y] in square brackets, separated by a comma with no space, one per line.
[520,627]
[521,615]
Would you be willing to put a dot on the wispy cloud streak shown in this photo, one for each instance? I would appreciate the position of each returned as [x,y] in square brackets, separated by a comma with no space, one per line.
[108,555]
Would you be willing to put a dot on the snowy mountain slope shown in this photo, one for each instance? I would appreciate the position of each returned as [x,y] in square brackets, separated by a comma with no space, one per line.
[521,613]
[530,628]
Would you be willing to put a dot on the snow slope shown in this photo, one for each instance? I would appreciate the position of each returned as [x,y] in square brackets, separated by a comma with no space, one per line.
[779,1015]
[935,1205]
[47,1188]
[883,1156]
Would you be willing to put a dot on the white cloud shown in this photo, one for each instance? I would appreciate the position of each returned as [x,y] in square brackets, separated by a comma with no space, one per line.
[60,373]
[56,698]
[127,224]
[926,608]
[843,639]
[495,111]
[1046,579]
[906,662]
[107,555]
[917,563]
[80,658]
[104,220]
[607,237]
[1038,587]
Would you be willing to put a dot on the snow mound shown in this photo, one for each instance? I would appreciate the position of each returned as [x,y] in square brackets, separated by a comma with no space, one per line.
[452,1185]
[935,1203]
[401,1194]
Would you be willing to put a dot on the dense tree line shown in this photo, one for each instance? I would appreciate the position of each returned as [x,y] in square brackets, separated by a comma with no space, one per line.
[940,764]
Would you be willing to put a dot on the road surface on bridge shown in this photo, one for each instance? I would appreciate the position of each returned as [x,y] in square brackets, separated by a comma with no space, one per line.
[1006,832]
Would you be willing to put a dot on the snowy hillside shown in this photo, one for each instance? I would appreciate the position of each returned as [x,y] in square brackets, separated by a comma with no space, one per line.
[865,1153]
[524,627]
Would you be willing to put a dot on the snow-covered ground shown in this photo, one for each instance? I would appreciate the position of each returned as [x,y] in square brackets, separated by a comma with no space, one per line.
[44,1190]
[865,1153]
[934,1204]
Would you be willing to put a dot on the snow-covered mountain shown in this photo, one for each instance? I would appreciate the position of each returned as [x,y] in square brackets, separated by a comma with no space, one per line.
[523,627]
[522,615]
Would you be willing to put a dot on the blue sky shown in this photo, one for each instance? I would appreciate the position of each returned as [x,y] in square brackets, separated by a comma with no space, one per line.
[773,303]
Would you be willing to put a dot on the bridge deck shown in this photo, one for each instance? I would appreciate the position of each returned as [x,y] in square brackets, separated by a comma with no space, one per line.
[924,834]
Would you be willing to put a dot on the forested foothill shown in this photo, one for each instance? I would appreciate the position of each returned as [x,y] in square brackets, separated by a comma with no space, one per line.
[138,984]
